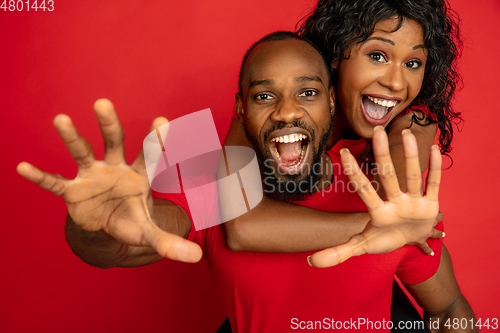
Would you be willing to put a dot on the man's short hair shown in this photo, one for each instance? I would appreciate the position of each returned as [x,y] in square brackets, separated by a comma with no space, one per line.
[278,36]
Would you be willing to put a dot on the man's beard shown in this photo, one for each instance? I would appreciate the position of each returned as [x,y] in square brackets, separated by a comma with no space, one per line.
[290,188]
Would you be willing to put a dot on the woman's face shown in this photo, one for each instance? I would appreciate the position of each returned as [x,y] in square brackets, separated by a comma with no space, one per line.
[382,75]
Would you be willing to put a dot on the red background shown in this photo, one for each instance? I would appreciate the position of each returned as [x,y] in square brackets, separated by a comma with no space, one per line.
[155,58]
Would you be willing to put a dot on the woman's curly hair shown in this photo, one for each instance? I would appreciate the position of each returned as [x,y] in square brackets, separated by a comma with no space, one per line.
[336,26]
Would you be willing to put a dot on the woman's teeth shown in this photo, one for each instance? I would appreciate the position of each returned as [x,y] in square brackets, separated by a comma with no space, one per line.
[383,102]
[289,138]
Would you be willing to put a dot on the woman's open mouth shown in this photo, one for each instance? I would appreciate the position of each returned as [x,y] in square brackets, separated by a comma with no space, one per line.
[377,111]
[290,151]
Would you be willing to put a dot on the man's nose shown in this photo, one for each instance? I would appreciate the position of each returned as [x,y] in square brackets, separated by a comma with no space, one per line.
[287,110]
[393,77]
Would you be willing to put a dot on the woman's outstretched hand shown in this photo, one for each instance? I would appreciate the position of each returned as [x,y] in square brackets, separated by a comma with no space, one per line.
[111,195]
[405,218]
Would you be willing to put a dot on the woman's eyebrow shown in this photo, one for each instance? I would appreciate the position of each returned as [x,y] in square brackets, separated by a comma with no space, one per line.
[419,46]
[382,39]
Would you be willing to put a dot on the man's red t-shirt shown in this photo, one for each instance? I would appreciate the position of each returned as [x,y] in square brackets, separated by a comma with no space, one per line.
[280,292]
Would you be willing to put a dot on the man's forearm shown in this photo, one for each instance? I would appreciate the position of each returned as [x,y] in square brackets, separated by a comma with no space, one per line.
[94,248]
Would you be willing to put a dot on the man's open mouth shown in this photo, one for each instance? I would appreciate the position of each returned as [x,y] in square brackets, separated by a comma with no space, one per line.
[376,110]
[290,151]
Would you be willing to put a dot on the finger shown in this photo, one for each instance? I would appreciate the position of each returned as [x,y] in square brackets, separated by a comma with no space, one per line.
[338,254]
[434,176]
[171,246]
[412,164]
[384,165]
[152,146]
[437,234]
[79,148]
[53,183]
[439,218]
[112,131]
[360,182]
[425,248]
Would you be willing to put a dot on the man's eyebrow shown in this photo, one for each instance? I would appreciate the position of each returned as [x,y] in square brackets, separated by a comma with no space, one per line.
[265,82]
[420,46]
[308,78]
[382,39]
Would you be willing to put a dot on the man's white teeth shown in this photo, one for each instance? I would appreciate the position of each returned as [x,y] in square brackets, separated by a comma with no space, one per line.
[383,102]
[289,138]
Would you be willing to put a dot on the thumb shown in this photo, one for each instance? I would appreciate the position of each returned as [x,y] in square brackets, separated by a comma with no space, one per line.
[171,246]
[338,254]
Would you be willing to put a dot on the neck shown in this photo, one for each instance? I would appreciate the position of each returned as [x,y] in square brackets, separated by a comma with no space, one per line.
[327,170]
[341,128]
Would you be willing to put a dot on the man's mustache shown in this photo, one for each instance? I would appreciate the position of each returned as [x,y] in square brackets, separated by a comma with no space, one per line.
[295,123]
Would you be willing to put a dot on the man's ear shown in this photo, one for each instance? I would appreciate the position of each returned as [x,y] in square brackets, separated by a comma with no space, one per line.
[335,65]
[332,99]
[238,104]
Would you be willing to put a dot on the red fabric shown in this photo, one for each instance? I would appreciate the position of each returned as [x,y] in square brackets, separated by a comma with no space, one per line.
[418,108]
[264,292]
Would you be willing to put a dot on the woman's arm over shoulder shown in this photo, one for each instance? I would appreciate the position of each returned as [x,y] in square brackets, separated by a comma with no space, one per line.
[276,226]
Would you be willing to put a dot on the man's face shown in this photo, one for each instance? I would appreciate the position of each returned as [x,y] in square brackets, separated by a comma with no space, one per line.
[287,107]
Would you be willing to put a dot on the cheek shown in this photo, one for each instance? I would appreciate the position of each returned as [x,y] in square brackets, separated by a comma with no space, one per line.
[415,83]
[414,87]
[253,124]
[354,79]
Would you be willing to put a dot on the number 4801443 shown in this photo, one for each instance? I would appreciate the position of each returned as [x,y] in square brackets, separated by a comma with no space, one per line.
[20,5]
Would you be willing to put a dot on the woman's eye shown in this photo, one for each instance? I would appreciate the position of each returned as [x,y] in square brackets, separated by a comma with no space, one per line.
[378,57]
[263,97]
[308,93]
[413,64]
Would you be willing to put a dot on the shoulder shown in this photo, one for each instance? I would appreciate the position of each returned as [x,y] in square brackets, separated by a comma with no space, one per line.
[356,147]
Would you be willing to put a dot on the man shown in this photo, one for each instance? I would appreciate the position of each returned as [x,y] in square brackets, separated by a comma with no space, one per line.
[285,95]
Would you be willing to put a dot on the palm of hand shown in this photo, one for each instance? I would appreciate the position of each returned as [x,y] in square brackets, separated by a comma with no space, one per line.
[405,218]
[113,198]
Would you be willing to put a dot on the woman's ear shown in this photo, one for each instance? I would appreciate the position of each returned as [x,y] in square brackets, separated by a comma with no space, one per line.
[238,104]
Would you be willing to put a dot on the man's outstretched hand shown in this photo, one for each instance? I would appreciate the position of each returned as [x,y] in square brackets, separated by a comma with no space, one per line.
[111,195]
[405,218]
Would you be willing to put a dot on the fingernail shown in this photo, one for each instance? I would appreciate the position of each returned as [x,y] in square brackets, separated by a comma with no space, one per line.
[435,147]
[344,150]
[406,130]
[432,253]
[309,261]
[378,128]
[443,235]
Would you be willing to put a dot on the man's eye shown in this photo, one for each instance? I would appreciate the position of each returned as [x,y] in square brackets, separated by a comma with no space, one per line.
[413,64]
[308,93]
[263,97]
[377,56]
